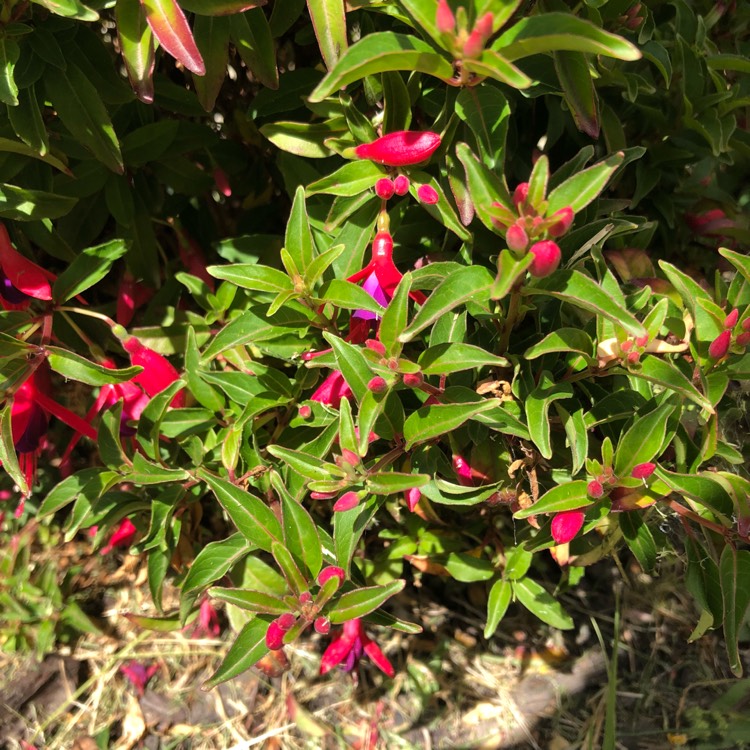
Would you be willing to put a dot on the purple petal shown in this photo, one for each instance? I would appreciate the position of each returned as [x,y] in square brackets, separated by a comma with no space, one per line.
[373,288]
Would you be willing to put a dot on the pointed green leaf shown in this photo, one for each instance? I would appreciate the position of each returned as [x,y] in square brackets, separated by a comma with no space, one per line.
[734,575]
[27,121]
[494,65]
[254,601]
[329,21]
[537,410]
[584,186]
[252,276]
[578,88]
[251,35]
[361,602]
[247,650]
[9,52]
[440,419]
[301,535]
[568,496]
[497,605]
[170,27]
[542,604]
[8,455]
[75,367]
[212,38]
[644,439]
[137,47]
[89,268]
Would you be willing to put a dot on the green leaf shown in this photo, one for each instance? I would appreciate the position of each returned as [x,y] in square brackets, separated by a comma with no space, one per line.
[214,561]
[88,269]
[205,394]
[638,537]
[305,139]
[487,113]
[306,464]
[577,434]
[494,65]
[301,534]
[292,574]
[348,527]
[137,47]
[352,364]
[8,451]
[644,440]
[394,482]
[252,517]
[255,601]
[440,419]
[20,204]
[298,240]
[78,105]
[219,7]
[540,603]
[148,472]
[497,605]
[9,52]
[329,22]
[73,366]
[247,650]
[509,270]
[108,439]
[578,88]
[445,359]
[471,283]
[537,410]
[550,32]
[320,264]
[170,27]
[734,575]
[252,276]
[27,121]
[568,496]
[584,186]
[583,292]
[344,294]
[663,373]
[517,563]
[380,52]
[564,340]
[468,569]
[69,489]
[396,316]
[69,9]
[361,602]
[351,179]
[212,38]
[251,35]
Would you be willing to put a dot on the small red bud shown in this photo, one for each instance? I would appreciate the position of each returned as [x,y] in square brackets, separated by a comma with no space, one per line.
[720,345]
[286,621]
[744,338]
[746,324]
[401,184]
[413,379]
[222,182]
[595,489]
[547,258]
[643,471]
[305,598]
[474,45]
[275,636]
[331,571]
[445,21]
[626,345]
[305,411]
[484,26]
[350,457]
[634,357]
[375,346]
[463,471]
[520,194]
[566,524]
[731,320]
[402,148]
[322,625]
[564,218]
[322,495]
[642,340]
[347,501]
[413,496]
[428,195]
[384,188]
[516,238]
[377,385]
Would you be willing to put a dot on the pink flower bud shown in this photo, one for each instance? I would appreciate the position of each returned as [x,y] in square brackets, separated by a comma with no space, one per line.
[566,524]
[305,412]
[474,45]
[286,621]
[634,357]
[463,471]
[222,182]
[384,188]
[744,338]
[304,598]
[401,184]
[731,320]
[520,194]
[720,345]
[413,496]
[643,471]
[595,489]
[275,636]
[413,379]
[347,501]
[377,385]
[322,625]
[642,340]
[400,149]
[564,218]
[516,238]
[322,495]
[547,258]
[331,571]
[445,21]
[427,194]
[626,345]
[375,346]
[484,26]
[746,324]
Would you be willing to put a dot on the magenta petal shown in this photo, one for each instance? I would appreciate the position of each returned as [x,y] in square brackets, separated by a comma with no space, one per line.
[566,525]
[373,288]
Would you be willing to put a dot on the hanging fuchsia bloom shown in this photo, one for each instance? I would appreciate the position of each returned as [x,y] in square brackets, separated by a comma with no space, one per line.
[123,536]
[348,648]
[566,524]
[158,372]
[711,223]
[373,288]
[138,674]
[131,295]
[20,278]
[332,390]
[400,149]
[207,625]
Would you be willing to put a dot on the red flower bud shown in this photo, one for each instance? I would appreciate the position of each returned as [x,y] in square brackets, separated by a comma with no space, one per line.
[275,636]
[377,385]
[746,324]
[642,340]
[304,598]
[445,21]
[744,338]
[401,184]
[566,524]
[222,182]
[286,621]
[305,411]
[347,501]
[564,218]
[547,258]
[331,571]
[384,188]
[643,471]
[427,194]
[413,379]
[731,320]
[633,357]
[376,346]
[322,625]
[400,149]
[520,194]
[484,25]
[595,489]
[516,238]
[413,496]
[474,45]
[463,471]
[720,345]
[626,345]
[349,457]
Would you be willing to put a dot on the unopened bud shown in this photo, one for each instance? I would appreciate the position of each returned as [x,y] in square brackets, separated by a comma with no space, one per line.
[744,338]
[222,182]
[401,184]
[304,598]
[520,194]
[413,379]
[322,495]
[305,412]
[720,345]
[564,218]
[413,496]
[484,26]
[634,357]
[643,471]
[286,621]
[275,636]
[377,385]
[427,194]
[516,238]
[347,501]
[349,457]
[463,471]
[731,320]
[474,45]
[746,324]
[547,258]
[400,149]
[322,625]
[384,188]
[626,345]
[331,571]
[642,340]
[376,346]
[445,21]
[595,489]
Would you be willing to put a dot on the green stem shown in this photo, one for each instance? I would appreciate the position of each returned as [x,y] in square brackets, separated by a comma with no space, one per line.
[514,309]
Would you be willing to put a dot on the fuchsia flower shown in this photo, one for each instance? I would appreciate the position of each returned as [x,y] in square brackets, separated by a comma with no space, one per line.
[138,674]
[131,294]
[207,625]
[400,149]
[158,372]
[123,536]
[349,646]
[566,524]
[373,288]
[20,278]
[332,390]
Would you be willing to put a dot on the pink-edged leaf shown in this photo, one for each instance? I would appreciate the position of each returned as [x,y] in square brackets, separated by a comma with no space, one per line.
[137,46]
[171,28]
[219,7]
